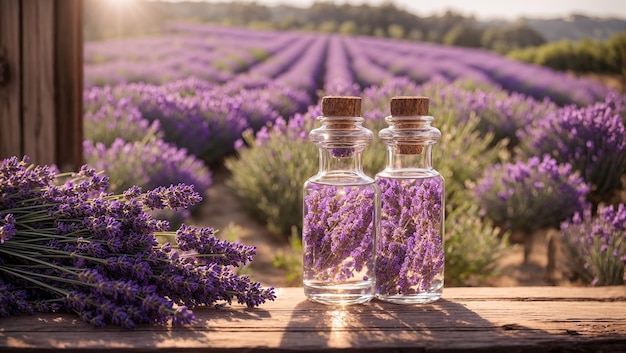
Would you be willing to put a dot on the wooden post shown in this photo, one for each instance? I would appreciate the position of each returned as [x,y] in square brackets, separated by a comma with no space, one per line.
[10,88]
[41,95]
[69,82]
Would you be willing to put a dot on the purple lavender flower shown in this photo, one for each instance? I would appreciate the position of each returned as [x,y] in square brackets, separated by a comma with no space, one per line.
[119,120]
[150,164]
[206,243]
[342,152]
[338,232]
[596,245]
[592,139]
[67,245]
[7,227]
[410,246]
[526,196]
[174,197]
[339,78]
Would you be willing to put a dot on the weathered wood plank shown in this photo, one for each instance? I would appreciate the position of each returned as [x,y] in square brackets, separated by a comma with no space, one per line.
[68,39]
[10,98]
[38,107]
[538,319]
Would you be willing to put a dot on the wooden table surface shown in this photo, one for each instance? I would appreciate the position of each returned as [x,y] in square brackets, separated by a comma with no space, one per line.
[533,319]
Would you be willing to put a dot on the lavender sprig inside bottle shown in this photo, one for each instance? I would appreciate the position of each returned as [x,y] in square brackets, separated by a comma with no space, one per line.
[411,254]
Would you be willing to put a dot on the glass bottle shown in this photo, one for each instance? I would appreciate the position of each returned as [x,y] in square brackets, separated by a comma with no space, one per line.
[410,249]
[341,210]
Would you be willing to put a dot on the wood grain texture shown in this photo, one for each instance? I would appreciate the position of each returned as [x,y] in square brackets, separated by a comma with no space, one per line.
[10,97]
[526,319]
[409,106]
[68,41]
[41,102]
[38,105]
[347,106]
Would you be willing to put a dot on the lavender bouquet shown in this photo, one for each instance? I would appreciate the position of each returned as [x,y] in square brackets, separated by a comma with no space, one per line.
[66,245]
[596,245]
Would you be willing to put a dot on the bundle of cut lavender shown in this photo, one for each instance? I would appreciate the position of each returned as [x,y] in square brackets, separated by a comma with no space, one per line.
[67,245]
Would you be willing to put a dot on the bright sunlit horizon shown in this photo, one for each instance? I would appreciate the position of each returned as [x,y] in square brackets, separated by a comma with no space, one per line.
[483,9]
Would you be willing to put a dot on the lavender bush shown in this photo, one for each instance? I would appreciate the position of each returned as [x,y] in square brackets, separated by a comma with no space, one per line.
[267,176]
[592,139]
[596,245]
[205,124]
[204,119]
[473,245]
[150,164]
[338,77]
[66,245]
[526,196]
[119,120]
[501,113]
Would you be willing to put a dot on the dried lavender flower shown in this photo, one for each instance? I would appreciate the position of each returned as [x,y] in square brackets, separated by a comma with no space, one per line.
[66,245]
[410,252]
[337,232]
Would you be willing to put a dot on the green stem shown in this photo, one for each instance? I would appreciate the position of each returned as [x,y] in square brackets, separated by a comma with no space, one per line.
[32,280]
[42,248]
[56,278]
[34,259]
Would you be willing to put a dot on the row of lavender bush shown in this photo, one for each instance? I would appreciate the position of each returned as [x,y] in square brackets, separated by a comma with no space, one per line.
[513,150]
[255,56]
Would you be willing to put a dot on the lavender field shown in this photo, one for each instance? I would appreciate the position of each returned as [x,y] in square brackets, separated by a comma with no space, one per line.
[523,148]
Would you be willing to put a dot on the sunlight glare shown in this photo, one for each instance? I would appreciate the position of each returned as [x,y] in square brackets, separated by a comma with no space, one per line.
[120,3]
[338,319]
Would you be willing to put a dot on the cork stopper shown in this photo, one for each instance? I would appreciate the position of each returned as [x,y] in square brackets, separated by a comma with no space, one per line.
[408,106]
[338,107]
[341,106]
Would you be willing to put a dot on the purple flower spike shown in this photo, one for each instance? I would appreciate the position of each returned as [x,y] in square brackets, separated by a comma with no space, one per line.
[67,246]
[596,245]
[526,196]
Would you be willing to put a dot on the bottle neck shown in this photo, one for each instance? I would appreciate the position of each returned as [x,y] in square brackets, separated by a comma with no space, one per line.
[409,143]
[420,163]
[345,160]
[341,142]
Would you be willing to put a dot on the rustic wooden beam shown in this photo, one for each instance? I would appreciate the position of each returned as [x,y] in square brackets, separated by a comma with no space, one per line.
[69,45]
[41,98]
[38,105]
[10,94]
[521,319]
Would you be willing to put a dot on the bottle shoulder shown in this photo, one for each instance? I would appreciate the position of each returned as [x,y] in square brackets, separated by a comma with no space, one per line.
[417,173]
[340,178]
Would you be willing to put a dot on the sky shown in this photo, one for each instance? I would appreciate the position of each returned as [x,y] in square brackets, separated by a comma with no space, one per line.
[489,9]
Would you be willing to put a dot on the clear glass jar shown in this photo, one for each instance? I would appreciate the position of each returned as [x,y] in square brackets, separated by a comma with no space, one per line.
[410,246]
[341,210]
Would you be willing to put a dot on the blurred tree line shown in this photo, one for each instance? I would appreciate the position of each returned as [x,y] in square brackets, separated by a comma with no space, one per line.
[104,20]
[583,56]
